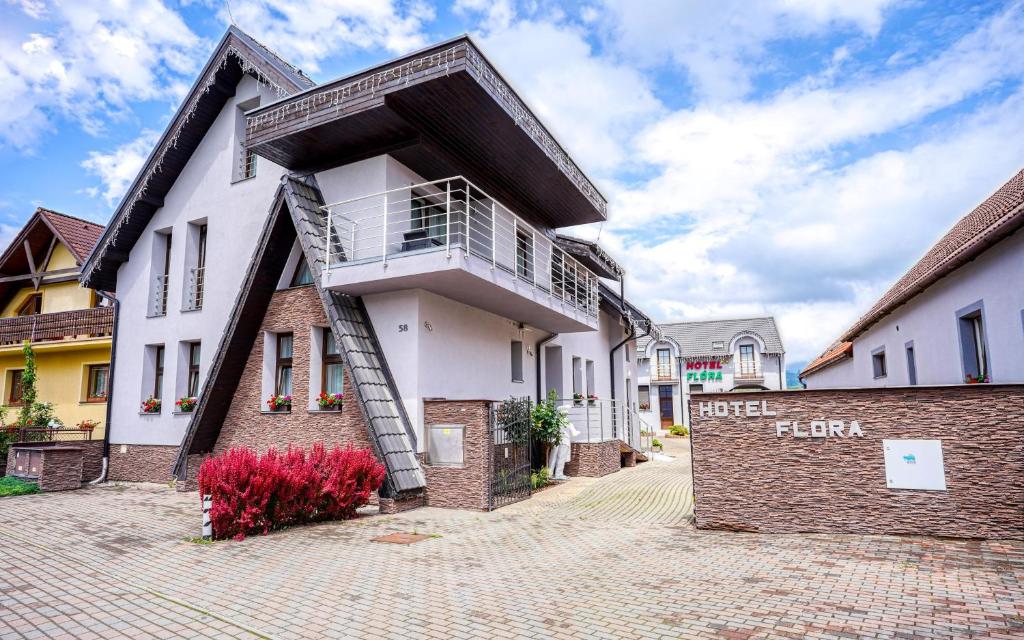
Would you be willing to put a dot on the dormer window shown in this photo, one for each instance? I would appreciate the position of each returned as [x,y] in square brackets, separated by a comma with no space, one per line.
[718,345]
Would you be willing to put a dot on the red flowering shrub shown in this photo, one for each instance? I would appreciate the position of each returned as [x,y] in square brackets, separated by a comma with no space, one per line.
[254,494]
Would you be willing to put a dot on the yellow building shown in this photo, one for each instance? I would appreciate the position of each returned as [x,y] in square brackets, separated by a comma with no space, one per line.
[68,327]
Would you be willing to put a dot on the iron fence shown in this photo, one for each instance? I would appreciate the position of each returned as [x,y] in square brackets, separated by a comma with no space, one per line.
[511,452]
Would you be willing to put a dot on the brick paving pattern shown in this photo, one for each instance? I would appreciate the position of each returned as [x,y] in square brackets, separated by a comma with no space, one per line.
[603,557]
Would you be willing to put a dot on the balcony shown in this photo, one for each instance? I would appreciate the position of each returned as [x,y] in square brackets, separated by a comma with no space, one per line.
[664,374]
[450,237]
[196,284]
[748,373]
[81,323]
[603,420]
[158,303]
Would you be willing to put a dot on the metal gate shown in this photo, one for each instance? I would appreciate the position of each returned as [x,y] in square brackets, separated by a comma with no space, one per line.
[511,449]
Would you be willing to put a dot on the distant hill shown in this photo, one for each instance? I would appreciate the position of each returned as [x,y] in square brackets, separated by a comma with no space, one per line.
[793,374]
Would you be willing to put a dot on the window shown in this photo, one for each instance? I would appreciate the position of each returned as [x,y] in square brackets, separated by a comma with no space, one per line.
[163,268]
[696,388]
[445,444]
[517,361]
[524,253]
[973,352]
[426,217]
[158,371]
[197,278]
[192,388]
[718,345]
[32,306]
[911,364]
[245,159]
[628,357]
[591,383]
[577,376]
[878,363]
[302,275]
[283,377]
[333,379]
[249,165]
[17,387]
[644,395]
[98,376]
[747,365]
[664,364]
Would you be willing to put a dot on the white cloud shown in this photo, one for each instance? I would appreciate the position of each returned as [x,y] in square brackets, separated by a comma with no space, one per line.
[88,62]
[119,167]
[306,32]
[722,44]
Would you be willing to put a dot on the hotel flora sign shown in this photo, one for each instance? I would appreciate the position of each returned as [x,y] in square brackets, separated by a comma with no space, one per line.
[820,428]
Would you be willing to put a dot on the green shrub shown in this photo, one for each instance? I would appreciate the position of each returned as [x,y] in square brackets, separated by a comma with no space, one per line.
[16,487]
[657,444]
[679,430]
[539,479]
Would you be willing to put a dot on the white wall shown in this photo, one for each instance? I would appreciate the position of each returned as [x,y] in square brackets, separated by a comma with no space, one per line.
[929,320]
[235,213]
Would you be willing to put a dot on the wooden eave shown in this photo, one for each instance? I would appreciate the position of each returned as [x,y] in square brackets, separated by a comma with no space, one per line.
[442,111]
[236,55]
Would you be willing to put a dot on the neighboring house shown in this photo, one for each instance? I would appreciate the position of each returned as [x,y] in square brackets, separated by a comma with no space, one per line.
[68,326]
[389,236]
[707,357]
[956,317]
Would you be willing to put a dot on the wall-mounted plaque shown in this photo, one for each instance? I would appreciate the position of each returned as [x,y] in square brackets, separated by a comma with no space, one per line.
[914,464]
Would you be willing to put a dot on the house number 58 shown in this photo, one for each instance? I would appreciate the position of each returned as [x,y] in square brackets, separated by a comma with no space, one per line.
[402,328]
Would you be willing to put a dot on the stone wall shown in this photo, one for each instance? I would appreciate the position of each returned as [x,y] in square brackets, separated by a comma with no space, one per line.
[462,487]
[141,463]
[248,425]
[747,478]
[61,469]
[92,456]
[594,459]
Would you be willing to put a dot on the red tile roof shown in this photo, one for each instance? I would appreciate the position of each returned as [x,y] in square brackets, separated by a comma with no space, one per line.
[79,236]
[832,355]
[991,221]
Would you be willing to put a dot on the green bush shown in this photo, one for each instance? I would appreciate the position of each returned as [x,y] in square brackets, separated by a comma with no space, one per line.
[15,487]
[548,421]
[539,479]
[679,430]
[656,444]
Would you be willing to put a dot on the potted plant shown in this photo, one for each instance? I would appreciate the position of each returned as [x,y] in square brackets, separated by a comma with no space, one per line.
[87,425]
[592,399]
[280,403]
[151,405]
[548,420]
[656,444]
[969,379]
[577,399]
[645,406]
[330,401]
[186,404]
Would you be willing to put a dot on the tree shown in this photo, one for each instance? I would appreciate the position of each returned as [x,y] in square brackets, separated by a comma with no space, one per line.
[28,387]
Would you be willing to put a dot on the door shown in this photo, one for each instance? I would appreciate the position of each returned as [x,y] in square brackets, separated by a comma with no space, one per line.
[665,405]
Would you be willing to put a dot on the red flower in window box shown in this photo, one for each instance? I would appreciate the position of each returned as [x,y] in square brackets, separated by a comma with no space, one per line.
[280,403]
[151,405]
[330,400]
[592,399]
[186,404]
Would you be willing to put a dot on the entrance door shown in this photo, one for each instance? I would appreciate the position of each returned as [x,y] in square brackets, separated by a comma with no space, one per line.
[665,405]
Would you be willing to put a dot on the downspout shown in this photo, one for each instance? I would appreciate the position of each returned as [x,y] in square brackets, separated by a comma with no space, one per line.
[540,350]
[782,387]
[110,387]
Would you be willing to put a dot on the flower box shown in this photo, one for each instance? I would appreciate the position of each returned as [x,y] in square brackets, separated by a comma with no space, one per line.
[186,404]
[330,401]
[592,399]
[280,404]
[151,405]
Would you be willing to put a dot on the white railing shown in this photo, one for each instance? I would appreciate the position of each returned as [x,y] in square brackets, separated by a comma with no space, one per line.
[602,420]
[196,284]
[746,370]
[454,214]
[159,302]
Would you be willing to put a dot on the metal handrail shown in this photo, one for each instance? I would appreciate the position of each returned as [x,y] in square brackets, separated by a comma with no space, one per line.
[454,213]
[160,288]
[196,285]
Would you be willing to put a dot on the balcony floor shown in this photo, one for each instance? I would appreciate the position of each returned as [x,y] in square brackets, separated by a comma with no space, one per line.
[465,278]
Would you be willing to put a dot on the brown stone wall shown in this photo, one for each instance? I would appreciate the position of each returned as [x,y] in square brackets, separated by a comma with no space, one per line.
[748,479]
[247,425]
[92,456]
[142,463]
[593,459]
[61,469]
[462,487]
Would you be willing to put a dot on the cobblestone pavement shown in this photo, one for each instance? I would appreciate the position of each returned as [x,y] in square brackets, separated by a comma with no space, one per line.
[592,558]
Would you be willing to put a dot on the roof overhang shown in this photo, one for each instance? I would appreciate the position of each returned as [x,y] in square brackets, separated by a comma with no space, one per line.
[592,256]
[441,111]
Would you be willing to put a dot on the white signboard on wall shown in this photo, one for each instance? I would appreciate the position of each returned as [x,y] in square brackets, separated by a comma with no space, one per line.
[914,464]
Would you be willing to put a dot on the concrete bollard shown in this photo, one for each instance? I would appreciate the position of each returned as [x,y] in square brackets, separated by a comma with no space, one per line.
[207,525]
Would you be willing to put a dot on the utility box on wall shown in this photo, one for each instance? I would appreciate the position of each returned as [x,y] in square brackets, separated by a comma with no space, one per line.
[914,464]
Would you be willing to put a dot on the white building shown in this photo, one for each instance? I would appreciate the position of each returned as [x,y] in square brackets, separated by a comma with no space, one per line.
[706,357]
[956,317]
[389,235]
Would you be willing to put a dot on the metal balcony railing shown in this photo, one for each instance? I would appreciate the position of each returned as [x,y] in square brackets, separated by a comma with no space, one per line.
[159,302]
[454,214]
[196,283]
[57,326]
[748,371]
[666,372]
[602,420]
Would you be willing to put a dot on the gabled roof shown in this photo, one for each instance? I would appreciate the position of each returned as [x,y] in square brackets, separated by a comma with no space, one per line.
[40,232]
[295,212]
[998,216]
[697,339]
[236,55]
[835,353]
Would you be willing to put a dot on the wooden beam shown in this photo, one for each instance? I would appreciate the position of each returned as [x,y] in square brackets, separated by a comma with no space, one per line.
[70,271]
[31,264]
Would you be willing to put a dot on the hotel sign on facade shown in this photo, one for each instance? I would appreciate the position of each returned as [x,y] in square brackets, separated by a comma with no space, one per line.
[820,428]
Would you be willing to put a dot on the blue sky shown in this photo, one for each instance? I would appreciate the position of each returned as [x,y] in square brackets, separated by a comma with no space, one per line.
[790,157]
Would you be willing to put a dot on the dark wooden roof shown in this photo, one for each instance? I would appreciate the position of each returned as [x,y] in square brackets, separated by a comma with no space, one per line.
[443,111]
[591,255]
[236,55]
[295,213]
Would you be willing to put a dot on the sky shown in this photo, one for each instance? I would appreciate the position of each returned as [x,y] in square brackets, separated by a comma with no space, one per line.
[783,157]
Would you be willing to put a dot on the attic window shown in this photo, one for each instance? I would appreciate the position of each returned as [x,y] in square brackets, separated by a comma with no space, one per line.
[718,345]
[302,275]
[245,159]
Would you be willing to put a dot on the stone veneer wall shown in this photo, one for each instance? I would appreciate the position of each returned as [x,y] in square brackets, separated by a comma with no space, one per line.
[141,462]
[748,479]
[61,469]
[462,487]
[593,459]
[92,456]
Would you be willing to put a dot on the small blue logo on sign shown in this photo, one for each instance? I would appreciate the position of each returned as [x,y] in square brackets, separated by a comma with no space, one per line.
[910,459]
